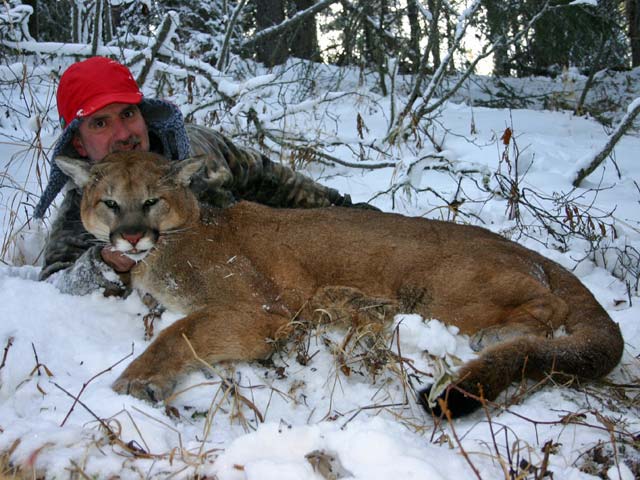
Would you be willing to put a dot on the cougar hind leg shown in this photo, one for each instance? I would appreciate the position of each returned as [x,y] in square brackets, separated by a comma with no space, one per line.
[214,333]
[490,336]
[508,352]
[539,317]
[483,378]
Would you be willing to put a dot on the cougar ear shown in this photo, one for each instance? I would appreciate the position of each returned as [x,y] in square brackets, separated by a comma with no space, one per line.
[186,169]
[75,168]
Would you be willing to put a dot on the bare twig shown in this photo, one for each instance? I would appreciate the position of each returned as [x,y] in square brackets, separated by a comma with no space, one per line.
[6,352]
[443,406]
[310,151]
[112,435]
[231,386]
[86,384]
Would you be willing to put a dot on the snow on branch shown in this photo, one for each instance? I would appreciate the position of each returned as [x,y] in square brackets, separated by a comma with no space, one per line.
[165,34]
[589,164]
[67,49]
[224,51]
[425,12]
[15,21]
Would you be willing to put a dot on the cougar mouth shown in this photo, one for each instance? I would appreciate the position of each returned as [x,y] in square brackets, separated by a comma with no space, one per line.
[134,244]
[136,255]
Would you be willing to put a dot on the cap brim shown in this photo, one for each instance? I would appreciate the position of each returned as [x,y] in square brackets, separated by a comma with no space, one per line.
[103,100]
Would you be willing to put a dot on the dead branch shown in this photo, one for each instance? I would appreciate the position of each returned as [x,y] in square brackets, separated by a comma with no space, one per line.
[111,434]
[252,115]
[623,127]
[166,28]
[590,82]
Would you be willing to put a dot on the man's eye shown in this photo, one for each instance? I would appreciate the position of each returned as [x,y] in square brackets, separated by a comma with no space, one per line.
[112,205]
[129,113]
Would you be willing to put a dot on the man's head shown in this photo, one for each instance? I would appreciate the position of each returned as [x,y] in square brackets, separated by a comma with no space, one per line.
[102,111]
[104,96]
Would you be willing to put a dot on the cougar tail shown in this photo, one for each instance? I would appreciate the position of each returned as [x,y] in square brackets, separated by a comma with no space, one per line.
[591,349]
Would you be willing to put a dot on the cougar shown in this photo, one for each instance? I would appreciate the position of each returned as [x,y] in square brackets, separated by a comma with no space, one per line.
[242,275]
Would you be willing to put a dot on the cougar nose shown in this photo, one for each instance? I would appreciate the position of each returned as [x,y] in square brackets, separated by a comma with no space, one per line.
[132,238]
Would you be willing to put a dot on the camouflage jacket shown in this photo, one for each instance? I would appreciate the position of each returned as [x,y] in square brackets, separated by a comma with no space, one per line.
[72,258]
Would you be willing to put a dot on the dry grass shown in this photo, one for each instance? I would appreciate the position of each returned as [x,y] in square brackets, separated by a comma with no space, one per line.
[369,348]
[9,471]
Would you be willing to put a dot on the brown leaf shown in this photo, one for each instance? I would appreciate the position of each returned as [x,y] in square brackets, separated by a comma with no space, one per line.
[171,411]
[506,136]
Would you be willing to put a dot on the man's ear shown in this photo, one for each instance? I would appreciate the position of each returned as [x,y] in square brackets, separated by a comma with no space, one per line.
[76,168]
[185,169]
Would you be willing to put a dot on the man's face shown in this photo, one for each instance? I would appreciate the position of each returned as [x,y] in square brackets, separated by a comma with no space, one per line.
[114,128]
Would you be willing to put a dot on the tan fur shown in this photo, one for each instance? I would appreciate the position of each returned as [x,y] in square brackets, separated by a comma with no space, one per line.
[242,275]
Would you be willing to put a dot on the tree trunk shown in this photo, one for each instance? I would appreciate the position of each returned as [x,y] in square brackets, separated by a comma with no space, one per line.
[270,13]
[305,38]
[498,24]
[415,34]
[434,31]
[632,8]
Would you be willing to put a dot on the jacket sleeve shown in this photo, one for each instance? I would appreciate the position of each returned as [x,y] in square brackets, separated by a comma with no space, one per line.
[72,259]
[245,174]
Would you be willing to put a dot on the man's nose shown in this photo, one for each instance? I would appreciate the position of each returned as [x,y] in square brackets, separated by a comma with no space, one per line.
[121,131]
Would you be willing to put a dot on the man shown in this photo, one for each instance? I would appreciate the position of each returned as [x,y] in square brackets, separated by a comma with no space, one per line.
[102,110]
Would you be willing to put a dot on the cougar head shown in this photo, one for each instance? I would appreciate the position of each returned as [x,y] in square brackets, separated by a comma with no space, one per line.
[130,199]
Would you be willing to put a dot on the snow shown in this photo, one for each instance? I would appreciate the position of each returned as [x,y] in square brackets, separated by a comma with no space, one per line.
[59,345]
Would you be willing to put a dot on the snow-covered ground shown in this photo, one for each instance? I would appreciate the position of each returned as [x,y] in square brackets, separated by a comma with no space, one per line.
[316,418]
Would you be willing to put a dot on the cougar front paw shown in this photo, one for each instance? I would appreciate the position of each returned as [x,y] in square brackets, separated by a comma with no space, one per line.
[152,389]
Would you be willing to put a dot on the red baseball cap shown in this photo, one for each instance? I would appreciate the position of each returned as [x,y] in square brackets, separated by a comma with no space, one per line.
[87,86]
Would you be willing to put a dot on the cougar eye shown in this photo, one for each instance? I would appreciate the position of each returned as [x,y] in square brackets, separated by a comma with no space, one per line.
[112,205]
[149,203]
